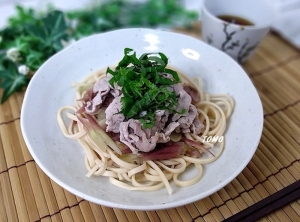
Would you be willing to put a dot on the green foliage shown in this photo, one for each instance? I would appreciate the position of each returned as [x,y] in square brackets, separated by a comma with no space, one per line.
[35,39]
[11,80]
[145,83]
[36,36]
[115,14]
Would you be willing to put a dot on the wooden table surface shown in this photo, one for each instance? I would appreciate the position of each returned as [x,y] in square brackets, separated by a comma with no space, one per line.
[27,194]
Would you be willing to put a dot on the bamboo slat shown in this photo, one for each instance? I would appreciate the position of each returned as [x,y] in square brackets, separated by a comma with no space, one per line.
[184,214]
[97,212]
[39,196]
[291,213]
[163,215]
[141,215]
[8,198]
[2,207]
[51,203]
[151,214]
[109,214]
[192,210]
[120,214]
[296,208]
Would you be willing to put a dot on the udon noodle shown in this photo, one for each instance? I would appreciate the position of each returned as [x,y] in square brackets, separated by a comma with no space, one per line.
[148,175]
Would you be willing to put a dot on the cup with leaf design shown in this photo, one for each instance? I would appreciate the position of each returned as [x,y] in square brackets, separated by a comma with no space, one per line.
[236,26]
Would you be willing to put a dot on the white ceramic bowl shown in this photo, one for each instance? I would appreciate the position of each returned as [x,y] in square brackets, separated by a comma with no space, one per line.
[62,159]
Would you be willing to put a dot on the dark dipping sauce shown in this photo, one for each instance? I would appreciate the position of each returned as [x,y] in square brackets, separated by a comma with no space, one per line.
[235,20]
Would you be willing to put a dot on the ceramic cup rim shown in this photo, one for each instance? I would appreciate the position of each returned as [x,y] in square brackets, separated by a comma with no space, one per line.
[250,27]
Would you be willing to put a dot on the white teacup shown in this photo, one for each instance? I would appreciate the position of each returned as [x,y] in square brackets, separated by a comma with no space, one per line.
[236,38]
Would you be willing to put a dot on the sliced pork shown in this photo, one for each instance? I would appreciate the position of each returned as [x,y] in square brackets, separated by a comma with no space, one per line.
[113,117]
[188,121]
[100,90]
[131,132]
[192,92]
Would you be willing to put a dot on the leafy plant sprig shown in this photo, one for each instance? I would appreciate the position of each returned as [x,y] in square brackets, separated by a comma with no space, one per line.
[31,36]
[145,83]
[27,47]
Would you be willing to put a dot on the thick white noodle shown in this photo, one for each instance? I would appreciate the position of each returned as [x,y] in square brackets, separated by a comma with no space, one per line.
[105,161]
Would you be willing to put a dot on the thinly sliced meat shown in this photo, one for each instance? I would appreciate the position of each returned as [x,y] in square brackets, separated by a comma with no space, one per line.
[100,90]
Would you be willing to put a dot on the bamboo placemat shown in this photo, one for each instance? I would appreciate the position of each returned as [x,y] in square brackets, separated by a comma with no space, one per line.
[27,194]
